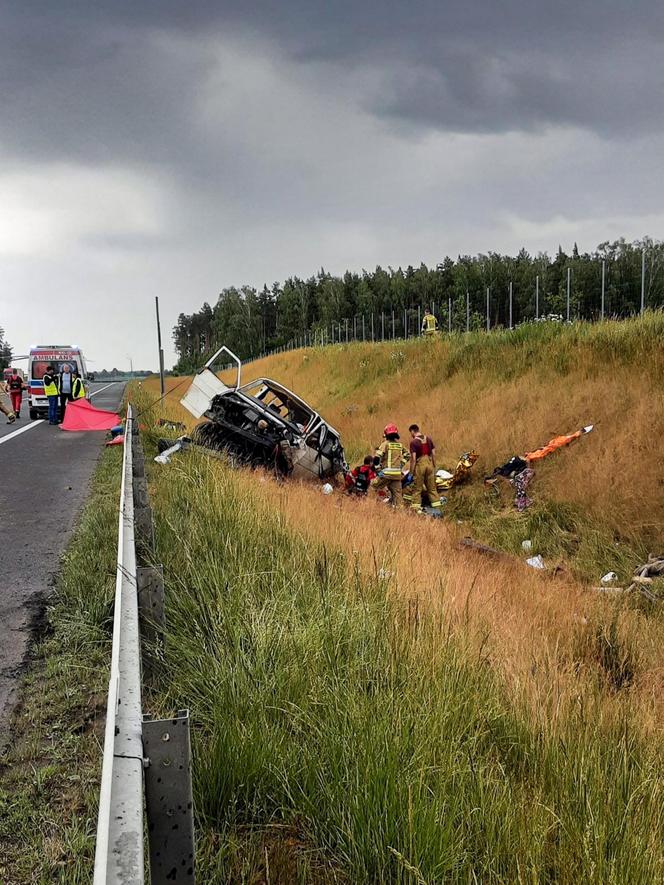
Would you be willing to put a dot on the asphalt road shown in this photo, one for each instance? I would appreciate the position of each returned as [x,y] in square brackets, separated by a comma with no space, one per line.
[44,480]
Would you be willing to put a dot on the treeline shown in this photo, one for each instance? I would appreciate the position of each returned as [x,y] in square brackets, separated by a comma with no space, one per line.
[5,351]
[252,321]
[103,374]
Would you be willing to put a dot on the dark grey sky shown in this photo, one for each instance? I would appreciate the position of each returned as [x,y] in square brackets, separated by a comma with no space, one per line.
[175,148]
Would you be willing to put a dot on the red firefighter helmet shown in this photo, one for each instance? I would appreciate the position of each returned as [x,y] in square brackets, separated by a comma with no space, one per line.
[390,428]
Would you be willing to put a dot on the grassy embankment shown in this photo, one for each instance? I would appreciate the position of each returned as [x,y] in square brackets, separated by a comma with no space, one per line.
[599,504]
[49,776]
[378,711]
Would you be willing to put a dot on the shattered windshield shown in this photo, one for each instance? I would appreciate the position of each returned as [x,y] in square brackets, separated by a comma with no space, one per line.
[285,407]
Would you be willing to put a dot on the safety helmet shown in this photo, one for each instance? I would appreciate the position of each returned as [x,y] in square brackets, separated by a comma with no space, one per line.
[390,428]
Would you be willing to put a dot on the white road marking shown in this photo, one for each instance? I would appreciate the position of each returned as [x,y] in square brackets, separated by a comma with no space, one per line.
[102,389]
[21,430]
[39,421]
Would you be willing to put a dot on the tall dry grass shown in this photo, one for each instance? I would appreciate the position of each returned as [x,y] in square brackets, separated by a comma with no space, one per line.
[506,394]
[358,704]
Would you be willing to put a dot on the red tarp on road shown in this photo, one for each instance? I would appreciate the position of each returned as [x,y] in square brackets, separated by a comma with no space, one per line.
[81,415]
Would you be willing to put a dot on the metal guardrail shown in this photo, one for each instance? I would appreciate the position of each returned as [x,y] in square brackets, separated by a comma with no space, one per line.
[146,763]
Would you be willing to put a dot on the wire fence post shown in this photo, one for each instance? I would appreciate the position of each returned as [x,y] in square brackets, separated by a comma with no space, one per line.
[510,304]
[419,320]
[488,320]
[467,311]
[569,274]
[449,315]
[363,335]
[392,325]
[643,280]
[603,286]
[355,328]
[405,328]
[382,327]
[346,330]
[537,297]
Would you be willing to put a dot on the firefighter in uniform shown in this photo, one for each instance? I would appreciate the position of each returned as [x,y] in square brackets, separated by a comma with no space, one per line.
[53,393]
[11,417]
[390,459]
[15,385]
[429,323]
[423,469]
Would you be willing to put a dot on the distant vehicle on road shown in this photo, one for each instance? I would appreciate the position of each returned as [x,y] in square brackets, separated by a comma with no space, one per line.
[55,355]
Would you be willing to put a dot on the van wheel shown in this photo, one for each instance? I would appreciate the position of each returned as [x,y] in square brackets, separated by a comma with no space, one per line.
[34,414]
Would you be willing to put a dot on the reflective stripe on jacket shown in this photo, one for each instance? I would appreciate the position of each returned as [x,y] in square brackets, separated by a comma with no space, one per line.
[430,323]
[392,457]
[78,390]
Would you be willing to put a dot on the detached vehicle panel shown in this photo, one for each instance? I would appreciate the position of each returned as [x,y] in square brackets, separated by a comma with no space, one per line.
[263,423]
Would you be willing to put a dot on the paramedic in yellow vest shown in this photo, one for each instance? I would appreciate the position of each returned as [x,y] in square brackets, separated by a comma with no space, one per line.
[390,459]
[423,468]
[52,391]
[77,388]
[429,323]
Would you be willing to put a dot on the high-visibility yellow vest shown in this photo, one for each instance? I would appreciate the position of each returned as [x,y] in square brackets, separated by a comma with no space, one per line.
[50,388]
[430,323]
[78,391]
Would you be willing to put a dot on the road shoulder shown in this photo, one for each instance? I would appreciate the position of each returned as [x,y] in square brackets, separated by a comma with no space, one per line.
[49,773]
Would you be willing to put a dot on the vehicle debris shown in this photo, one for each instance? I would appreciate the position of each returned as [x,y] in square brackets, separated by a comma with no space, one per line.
[183,442]
[262,423]
[536,562]
[609,578]
[645,575]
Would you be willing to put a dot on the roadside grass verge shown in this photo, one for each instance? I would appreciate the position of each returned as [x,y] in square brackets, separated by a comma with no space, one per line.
[49,775]
[376,733]
[598,505]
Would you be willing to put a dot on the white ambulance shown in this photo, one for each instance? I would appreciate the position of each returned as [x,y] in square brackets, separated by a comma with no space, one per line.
[55,355]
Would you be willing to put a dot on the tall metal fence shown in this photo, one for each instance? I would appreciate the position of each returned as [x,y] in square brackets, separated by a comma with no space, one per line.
[492,308]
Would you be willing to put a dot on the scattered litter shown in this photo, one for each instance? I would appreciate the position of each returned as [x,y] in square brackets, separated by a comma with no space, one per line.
[384,574]
[518,471]
[609,578]
[527,545]
[327,489]
[536,562]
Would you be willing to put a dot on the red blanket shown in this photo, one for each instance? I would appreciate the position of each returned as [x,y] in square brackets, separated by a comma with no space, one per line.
[80,414]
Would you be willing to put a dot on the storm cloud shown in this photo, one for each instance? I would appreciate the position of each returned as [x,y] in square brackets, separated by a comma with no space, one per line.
[175,148]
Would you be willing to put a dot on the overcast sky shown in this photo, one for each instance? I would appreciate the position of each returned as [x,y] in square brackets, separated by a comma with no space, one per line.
[175,148]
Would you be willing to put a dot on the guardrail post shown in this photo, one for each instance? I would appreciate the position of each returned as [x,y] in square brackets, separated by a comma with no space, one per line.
[150,586]
[168,797]
[142,510]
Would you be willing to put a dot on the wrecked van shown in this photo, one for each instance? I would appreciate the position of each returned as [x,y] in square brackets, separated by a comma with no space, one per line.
[262,423]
